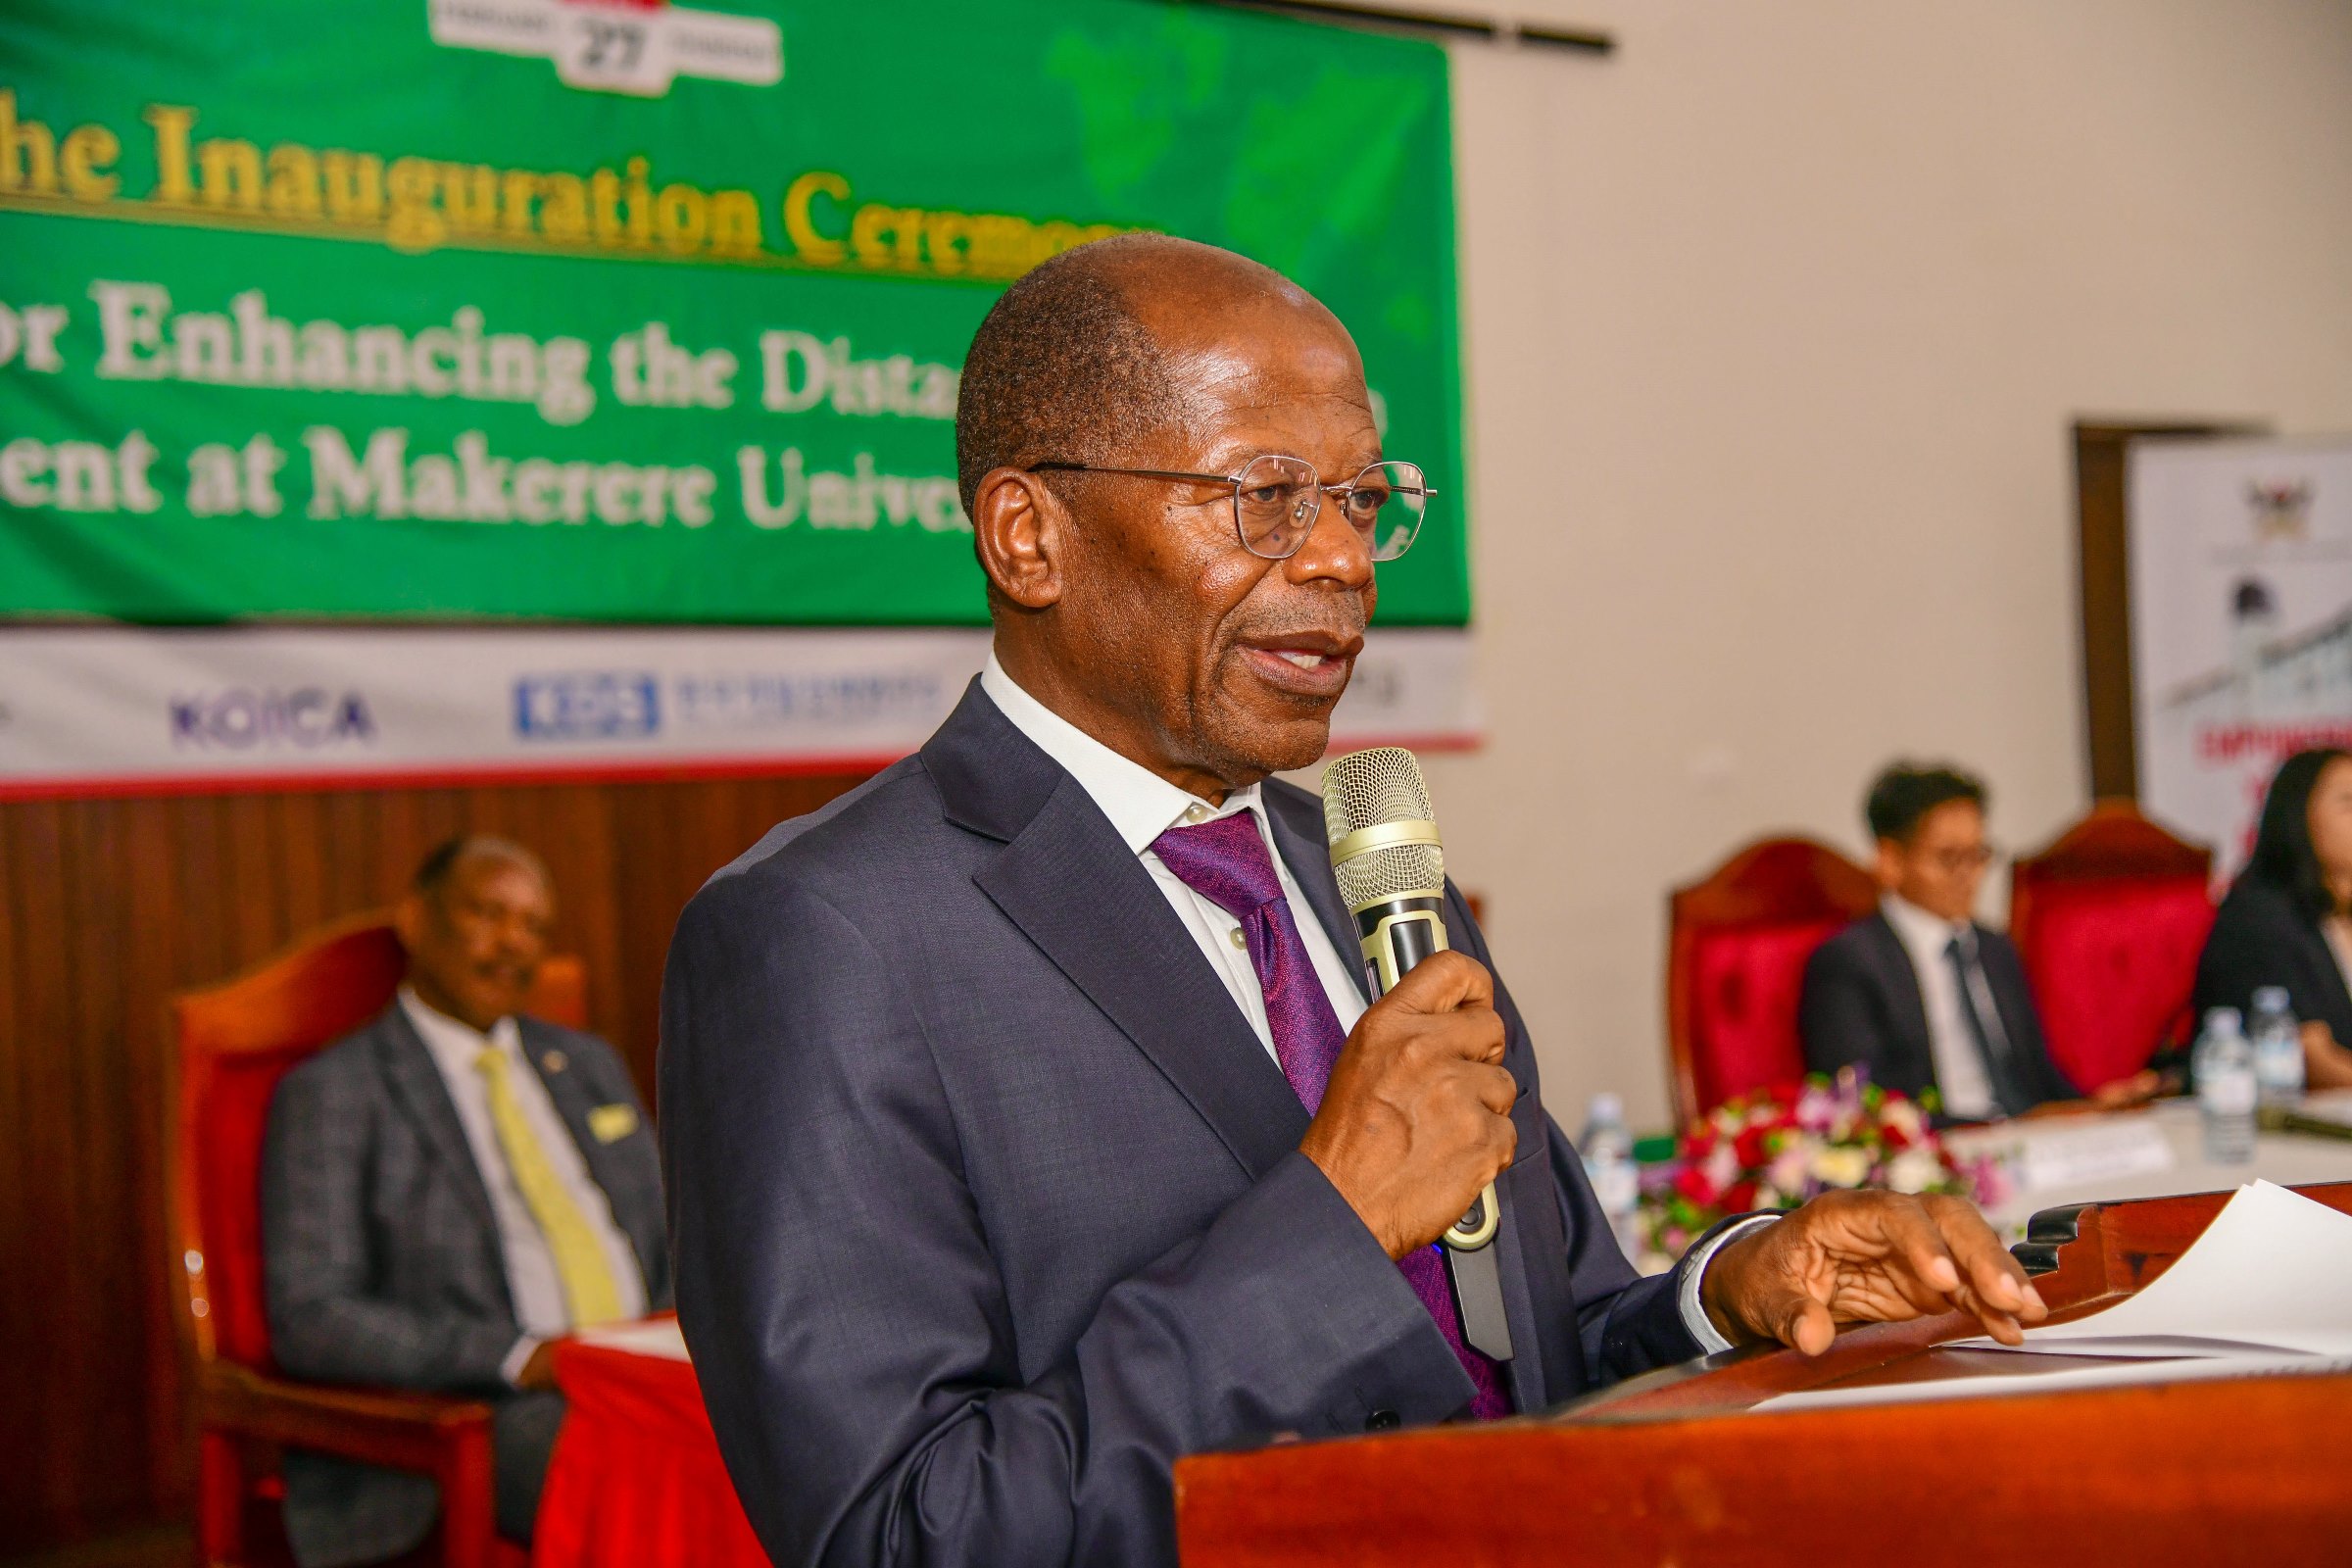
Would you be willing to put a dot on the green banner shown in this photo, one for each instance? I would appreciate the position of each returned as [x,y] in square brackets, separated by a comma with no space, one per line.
[447,308]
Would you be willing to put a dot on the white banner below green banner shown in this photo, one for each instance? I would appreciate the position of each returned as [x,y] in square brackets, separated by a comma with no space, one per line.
[117,710]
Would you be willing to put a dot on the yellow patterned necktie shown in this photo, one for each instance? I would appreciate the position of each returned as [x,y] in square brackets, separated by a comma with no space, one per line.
[589,1288]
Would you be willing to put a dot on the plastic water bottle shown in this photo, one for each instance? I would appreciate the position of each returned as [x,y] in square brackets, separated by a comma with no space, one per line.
[1607,1148]
[2223,1065]
[2277,1047]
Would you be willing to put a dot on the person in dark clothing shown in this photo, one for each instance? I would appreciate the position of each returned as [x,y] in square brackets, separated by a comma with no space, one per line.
[1919,994]
[2287,920]
[447,1192]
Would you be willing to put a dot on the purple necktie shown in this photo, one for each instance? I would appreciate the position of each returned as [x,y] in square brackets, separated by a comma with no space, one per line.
[1227,863]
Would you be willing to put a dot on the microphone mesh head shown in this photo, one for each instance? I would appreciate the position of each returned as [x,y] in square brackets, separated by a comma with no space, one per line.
[1365,789]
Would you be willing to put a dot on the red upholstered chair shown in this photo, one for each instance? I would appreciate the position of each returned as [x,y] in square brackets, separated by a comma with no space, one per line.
[2110,921]
[234,1042]
[1735,961]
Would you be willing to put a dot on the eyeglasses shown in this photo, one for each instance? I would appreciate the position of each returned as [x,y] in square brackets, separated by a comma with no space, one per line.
[1954,862]
[1276,501]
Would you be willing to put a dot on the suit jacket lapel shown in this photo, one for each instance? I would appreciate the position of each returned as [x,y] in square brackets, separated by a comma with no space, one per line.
[1074,887]
[566,1093]
[415,1082]
[1071,885]
[573,1100]
[1299,834]
[1910,1005]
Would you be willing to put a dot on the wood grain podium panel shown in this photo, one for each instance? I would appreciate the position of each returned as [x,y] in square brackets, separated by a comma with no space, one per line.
[1672,1468]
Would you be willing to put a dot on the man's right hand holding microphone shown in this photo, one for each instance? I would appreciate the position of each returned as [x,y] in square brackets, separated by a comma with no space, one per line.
[1415,1122]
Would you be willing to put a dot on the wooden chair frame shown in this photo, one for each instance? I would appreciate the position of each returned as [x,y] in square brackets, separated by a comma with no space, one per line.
[243,1416]
[2114,843]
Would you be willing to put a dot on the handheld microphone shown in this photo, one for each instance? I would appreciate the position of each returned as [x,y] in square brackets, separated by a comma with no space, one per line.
[1391,868]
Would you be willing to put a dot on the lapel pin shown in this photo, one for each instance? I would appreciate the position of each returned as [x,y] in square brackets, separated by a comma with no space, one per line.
[555,1061]
[611,1123]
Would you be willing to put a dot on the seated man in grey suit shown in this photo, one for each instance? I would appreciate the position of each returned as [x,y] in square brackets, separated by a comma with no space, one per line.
[1920,995]
[446,1191]
[1027,1116]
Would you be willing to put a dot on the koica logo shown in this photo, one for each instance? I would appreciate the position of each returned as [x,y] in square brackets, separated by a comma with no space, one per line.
[244,718]
[587,705]
[626,46]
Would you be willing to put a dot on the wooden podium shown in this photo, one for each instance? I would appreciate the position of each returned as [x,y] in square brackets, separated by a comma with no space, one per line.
[1669,1468]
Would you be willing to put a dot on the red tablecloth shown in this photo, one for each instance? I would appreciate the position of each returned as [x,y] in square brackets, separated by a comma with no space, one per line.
[636,1480]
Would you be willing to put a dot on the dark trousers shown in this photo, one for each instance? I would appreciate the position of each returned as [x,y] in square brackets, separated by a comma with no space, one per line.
[340,1514]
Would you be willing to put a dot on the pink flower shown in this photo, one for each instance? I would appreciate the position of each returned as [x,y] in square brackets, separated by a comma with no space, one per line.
[1987,1181]
[1901,1115]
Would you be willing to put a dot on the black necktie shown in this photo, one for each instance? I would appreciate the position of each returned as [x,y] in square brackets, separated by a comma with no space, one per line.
[1984,1024]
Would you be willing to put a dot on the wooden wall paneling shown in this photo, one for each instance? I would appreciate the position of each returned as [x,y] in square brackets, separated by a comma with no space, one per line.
[18,1092]
[645,901]
[79,1405]
[114,1122]
[298,821]
[150,968]
[109,905]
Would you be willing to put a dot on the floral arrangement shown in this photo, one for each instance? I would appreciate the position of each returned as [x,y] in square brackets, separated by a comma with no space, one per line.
[1776,1148]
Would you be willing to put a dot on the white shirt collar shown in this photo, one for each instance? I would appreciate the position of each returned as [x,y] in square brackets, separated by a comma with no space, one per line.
[1920,931]
[1139,803]
[455,1043]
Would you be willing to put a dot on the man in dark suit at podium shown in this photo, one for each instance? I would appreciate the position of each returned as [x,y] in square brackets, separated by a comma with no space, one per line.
[1921,995]
[1027,1118]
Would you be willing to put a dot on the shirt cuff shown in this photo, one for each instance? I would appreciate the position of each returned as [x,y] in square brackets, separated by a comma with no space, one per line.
[1695,1267]
[511,1369]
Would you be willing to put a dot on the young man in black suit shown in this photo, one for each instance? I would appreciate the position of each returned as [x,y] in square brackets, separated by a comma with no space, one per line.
[1919,994]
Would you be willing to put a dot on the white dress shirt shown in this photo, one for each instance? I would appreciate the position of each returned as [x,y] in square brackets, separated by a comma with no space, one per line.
[1962,1075]
[1142,805]
[531,1278]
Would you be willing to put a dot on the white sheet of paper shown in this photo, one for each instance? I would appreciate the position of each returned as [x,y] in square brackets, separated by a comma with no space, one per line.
[2121,1374]
[655,1336]
[2272,1273]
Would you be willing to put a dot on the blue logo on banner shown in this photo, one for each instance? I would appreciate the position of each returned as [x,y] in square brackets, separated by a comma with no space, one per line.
[587,705]
[243,717]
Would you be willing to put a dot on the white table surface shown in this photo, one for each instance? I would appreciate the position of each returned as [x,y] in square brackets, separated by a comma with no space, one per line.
[2285,1158]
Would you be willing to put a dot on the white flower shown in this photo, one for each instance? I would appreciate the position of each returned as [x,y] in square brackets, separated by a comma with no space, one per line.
[1842,1167]
[1787,1172]
[1914,1170]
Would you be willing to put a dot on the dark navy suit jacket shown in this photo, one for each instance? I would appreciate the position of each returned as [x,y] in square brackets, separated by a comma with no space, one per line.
[1861,1006]
[986,1200]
